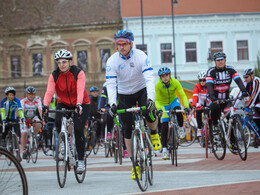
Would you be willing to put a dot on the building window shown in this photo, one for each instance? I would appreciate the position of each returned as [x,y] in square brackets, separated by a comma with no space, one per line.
[16,66]
[242,50]
[104,55]
[166,53]
[215,46]
[191,52]
[37,64]
[142,47]
[82,57]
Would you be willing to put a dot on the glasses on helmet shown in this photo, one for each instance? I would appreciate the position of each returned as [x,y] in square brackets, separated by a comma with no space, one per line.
[62,62]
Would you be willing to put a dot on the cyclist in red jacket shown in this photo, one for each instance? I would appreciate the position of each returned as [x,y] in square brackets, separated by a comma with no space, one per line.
[69,83]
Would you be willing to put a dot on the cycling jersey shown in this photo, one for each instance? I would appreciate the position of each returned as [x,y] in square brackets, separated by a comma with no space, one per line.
[218,82]
[133,74]
[70,87]
[253,89]
[199,95]
[166,95]
[103,103]
[8,108]
[30,107]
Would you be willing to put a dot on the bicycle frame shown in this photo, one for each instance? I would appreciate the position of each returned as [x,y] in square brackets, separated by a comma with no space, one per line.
[246,121]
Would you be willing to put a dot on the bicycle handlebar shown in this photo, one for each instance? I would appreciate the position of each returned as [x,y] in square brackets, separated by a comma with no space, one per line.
[134,109]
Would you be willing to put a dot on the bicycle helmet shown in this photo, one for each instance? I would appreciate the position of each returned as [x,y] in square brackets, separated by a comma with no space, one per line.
[202,75]
[31,90]
[124,34]
[164,70]
[248,71]
[63,53]
[94,88]
[219,56]
[10,90]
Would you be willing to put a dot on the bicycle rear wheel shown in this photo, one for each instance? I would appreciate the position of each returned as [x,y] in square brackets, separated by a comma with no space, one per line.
[12,177]
[138,160]
[239,138]
[61,161]
[9,146]
[218,143]
[190,136]
[34,149]
[80,176]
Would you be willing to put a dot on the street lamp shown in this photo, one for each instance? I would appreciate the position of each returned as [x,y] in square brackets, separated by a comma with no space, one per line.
[173,37]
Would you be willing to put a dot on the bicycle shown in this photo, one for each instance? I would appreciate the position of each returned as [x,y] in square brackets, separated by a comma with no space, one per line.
[117,141]
[204,140]
[66,155]
[12,177]
[223,138]
[173,135]
[248,124]
[142,149]
[32,146]
[12,143]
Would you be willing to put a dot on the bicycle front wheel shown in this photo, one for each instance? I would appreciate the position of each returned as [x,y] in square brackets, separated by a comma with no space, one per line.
[139,161]
[34,149]
[175,145]
[12,177]
[218,143]
[239,139]
[61,161]
[190,136]
[80,176]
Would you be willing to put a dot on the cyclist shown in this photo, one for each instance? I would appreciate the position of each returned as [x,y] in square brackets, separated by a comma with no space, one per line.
[218,81]
[103,106]
[166,99]
[30,105]
[132,70]
[199,99]
[253,88]
[8,110]
[69,83]
[94,102]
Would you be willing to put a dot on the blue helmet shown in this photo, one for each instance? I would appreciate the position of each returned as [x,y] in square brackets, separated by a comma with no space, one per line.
[124,34]
[94,88]
[164,70]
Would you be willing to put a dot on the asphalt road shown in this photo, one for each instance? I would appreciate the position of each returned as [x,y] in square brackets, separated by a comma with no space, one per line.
[194,175]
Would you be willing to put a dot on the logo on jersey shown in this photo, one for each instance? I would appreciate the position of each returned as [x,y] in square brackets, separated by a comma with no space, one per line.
[147,62]
[132,65]
[221,88]
[108,68]
[121,66]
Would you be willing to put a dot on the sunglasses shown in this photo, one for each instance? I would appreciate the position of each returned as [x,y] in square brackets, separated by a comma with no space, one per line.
[204,80]
[62,62]
[245,77]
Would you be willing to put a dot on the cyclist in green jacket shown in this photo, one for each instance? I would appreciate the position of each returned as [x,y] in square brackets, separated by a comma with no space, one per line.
[166,99]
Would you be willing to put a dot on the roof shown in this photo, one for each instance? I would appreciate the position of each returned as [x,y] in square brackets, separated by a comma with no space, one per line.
[32,14]
[188,7]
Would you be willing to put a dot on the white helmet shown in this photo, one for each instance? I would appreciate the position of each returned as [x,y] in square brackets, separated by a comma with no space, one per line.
[10,89]
[202,75]
[63,53]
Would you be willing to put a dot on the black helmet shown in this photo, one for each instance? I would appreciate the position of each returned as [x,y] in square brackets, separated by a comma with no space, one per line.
[31,90]
[219,56]
[10,90]
[248,71]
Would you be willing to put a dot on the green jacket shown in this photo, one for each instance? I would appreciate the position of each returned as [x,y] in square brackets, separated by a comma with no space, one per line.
[164,95]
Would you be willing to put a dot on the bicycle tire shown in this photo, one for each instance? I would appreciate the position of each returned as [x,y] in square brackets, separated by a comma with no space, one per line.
[248,136]
[9,146]
[190,136]
[170,145]
[120,145]
[138,161]
[34,149]
[80,176]
[114,140]
[239,138]
[175,145]
[218,143]
[149,158]
[88,144]
[13,179]
[61,162]
[107,148]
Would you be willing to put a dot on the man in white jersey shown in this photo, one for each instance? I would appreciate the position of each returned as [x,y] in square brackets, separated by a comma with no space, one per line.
[131,70]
